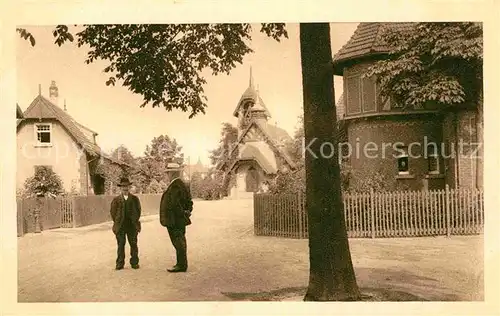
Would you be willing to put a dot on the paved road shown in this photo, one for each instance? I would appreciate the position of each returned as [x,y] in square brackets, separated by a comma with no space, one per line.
[228,263]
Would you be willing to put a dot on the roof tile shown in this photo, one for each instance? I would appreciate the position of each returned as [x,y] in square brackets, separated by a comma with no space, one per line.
[367,40]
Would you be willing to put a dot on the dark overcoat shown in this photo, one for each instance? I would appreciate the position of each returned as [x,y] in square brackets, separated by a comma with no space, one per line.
[118,212]
[176,205]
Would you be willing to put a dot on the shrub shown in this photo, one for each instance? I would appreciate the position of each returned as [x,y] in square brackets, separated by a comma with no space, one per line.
[52,183]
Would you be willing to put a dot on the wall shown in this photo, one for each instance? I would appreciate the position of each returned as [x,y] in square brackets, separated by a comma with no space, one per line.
[362,95]
[239,189]
[385,132]
[464,168]
[64,155]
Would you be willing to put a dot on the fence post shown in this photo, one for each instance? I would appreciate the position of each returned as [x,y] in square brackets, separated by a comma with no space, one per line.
[372,212]
[300,213]
[20,217]
[448,220]
[256,215]
[73,211]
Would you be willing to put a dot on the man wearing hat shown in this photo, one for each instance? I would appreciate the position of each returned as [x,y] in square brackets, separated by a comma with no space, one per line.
[126,213]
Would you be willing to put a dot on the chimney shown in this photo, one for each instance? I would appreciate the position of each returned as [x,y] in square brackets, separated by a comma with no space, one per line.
[53,93]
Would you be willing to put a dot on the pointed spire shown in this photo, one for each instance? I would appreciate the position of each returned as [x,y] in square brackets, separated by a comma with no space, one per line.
[65,105]
[39,89]
[251,83]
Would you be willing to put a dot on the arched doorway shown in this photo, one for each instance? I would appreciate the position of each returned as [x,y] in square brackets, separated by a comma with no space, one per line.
[252,180]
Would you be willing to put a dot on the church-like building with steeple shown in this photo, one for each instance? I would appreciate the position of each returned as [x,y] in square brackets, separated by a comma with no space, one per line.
[260,151]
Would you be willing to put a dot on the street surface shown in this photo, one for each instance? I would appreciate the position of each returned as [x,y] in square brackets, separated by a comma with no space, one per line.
[227,262]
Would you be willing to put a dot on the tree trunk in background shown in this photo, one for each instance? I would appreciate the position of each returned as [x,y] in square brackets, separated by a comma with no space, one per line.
[331,274]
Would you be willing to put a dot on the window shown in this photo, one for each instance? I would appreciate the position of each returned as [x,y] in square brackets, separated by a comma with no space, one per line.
[353,95]
[368,94]
[43,134]
[432,159]
[361,94]
[402,160]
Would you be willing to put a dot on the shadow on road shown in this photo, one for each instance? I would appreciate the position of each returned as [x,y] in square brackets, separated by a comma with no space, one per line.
[380,285]
[297,294]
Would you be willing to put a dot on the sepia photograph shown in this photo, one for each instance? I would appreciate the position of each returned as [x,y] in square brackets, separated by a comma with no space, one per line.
[259,159]
[250,162]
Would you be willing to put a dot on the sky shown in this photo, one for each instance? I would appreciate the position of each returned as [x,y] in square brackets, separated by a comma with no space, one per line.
[114,112]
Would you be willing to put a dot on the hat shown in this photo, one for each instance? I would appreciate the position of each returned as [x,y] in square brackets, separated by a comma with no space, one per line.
[124,181]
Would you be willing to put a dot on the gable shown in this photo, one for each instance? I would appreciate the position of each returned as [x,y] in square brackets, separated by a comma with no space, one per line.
[262,132]
[60,136]
[253,134]
[43,109]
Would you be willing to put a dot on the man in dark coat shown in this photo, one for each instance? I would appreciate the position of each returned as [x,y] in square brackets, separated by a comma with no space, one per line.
[175,210]
[126,212]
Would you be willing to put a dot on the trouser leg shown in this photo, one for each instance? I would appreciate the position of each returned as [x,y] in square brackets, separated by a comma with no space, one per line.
[120,255]
[134,249]
[178,238]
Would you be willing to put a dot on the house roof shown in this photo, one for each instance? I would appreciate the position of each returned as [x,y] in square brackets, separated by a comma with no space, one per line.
[367,40]
[277,138]
[340,107]
[196,168]
[42,108]
[19,112]
[262,153]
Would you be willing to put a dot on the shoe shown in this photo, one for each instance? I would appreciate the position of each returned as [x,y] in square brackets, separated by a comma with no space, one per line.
[175,269]
[119,268]
[135,266]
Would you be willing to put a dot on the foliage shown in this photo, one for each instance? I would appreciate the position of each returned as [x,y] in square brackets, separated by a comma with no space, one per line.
[153,165]
[228,139]
[295,181]
[432,63]
[367,181]
[51,181]
[122,153]
[210,187]
[156,187]
[295,146]
[164,62]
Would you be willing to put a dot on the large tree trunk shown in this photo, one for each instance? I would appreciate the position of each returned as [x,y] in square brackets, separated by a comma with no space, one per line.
[331,275]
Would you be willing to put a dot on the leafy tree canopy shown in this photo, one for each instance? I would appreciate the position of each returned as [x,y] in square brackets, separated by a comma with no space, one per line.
[122,153]
[432,63]
[228,139]
[164,62]
[154,164]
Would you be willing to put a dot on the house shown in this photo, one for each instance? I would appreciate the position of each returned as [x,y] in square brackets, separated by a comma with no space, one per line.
[19,112]
[260,149]
[48,136]
[418,148]
[191,169]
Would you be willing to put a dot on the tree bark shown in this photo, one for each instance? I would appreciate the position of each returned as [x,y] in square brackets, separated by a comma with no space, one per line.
[331,274]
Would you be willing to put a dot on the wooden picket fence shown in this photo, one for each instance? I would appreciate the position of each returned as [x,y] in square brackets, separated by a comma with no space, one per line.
[71,211]
[379,214]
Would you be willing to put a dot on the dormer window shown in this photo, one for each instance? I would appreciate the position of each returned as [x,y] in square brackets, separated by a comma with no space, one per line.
[43,134]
